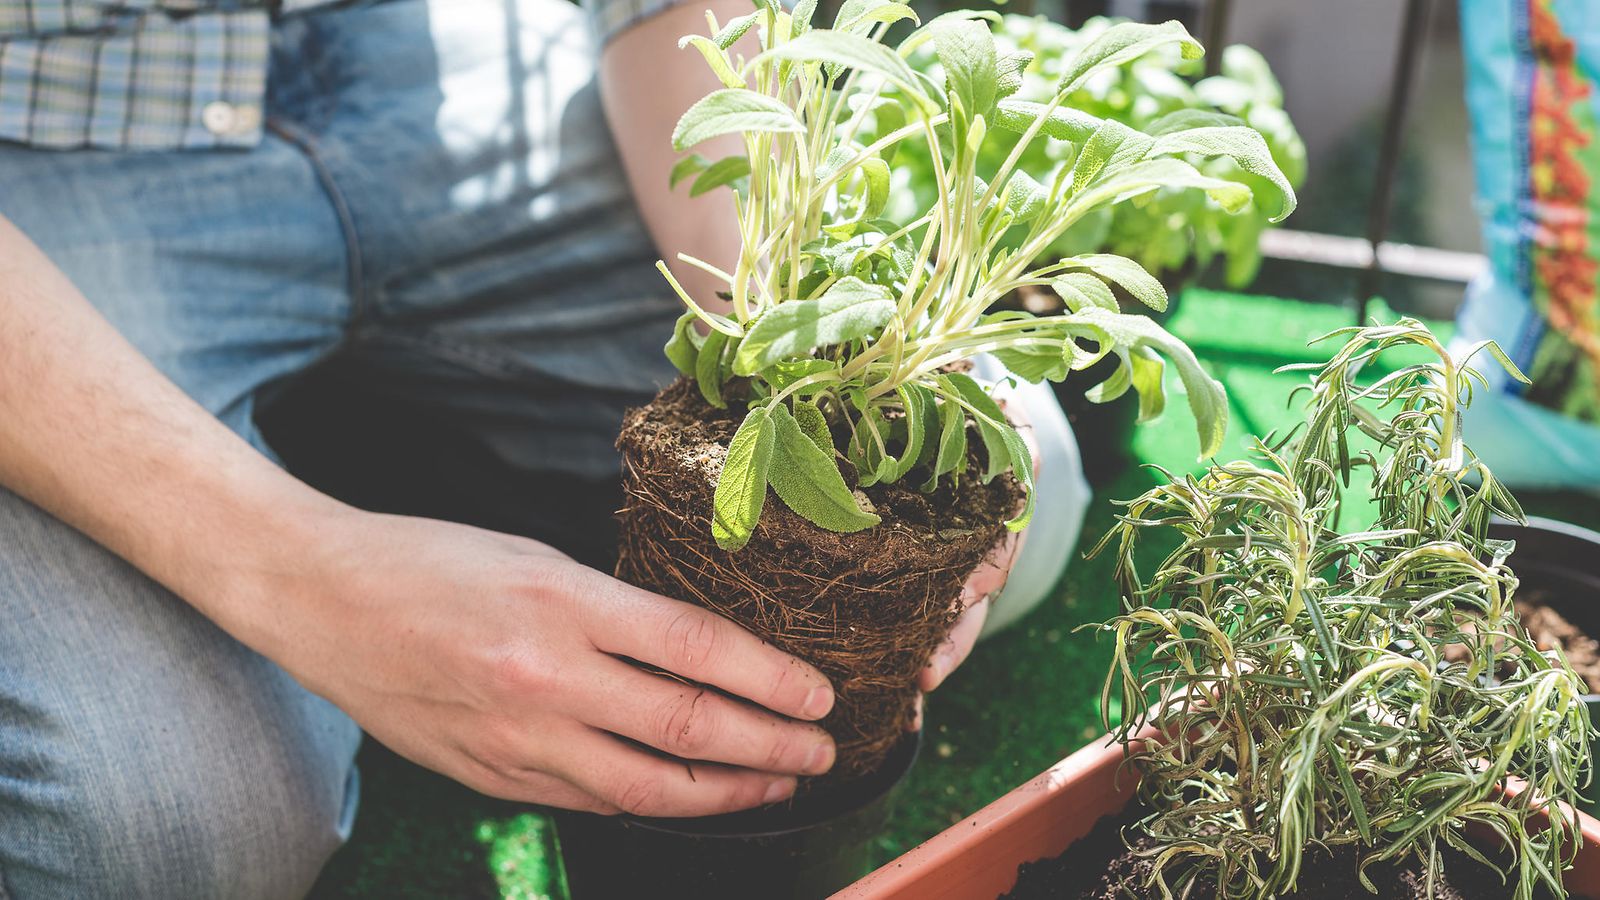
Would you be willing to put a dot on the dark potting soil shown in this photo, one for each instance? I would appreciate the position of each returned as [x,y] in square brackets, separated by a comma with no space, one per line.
[1101,866]
[1549,630]
[865,608]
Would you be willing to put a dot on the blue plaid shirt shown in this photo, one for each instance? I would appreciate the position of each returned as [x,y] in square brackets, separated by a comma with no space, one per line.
[160,74]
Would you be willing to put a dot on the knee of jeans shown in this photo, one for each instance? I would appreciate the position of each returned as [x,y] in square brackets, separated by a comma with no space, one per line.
[165,824]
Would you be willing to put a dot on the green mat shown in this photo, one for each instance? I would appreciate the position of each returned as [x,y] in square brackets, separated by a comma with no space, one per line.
[1024,700]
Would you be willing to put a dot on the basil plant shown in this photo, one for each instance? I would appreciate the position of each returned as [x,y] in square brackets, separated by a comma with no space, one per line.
[848,329]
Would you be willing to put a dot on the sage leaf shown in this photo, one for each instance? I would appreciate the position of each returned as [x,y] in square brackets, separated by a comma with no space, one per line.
[683,348]
[708,369]
[733,110]
[1063,123]
[1207,400]
[1122,43]
[1126,274]
[989,419]
[917,403]
[733,30]
[716,58]
[1185,119]
[848,310]
[741,488]
[1080,289]
[855,13]
[693,164]
[1243,145]
[852,51]
[952,452]
[966,51]
[807,480]
[727,170]
[815,425]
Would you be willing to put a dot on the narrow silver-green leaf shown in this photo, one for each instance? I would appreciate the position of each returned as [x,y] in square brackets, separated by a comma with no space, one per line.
[741,488]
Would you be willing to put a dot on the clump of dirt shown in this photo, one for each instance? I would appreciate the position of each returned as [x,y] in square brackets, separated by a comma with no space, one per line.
[1550,630]
[866,608]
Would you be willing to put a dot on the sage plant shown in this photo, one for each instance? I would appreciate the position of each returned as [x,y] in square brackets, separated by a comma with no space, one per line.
[1323,687]
[848,329]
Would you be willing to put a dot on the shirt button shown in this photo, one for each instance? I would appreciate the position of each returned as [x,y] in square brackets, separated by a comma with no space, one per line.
[219,117]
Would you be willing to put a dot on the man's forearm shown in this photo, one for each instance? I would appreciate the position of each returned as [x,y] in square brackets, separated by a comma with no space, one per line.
[92,432]
[646,83]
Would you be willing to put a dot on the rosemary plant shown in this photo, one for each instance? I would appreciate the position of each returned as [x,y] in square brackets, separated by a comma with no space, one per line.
[847,328]
[1304,687]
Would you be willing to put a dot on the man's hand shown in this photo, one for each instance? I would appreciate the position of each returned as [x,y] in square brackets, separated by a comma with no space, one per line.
[503,664]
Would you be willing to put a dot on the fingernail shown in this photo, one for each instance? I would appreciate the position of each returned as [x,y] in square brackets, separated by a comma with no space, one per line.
[820,760]
[818,702]
[777,791]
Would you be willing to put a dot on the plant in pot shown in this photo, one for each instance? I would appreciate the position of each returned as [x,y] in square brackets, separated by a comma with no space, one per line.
[1173,233]
[836,378]
[1322,712]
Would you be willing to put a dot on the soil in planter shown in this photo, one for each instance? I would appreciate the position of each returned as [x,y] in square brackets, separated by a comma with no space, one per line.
[865,608]
[1549,630]
[1101,866]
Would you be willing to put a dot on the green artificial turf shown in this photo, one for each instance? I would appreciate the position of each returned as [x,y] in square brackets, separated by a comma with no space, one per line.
[1024,700]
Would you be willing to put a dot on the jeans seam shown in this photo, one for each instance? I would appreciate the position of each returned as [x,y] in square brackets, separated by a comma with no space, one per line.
[355,266]
[481,362]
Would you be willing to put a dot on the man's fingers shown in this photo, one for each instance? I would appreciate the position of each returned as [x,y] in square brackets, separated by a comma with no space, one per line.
[697,723]
[701,646]
[546,790]
[953,652]
[635,781]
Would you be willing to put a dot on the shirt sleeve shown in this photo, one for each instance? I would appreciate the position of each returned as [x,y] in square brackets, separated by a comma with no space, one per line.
[609,18]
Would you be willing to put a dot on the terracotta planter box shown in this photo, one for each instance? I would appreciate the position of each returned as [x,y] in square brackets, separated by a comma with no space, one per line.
[977,858]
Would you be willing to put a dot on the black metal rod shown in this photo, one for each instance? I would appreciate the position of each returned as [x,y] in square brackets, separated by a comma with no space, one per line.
[1217,12]
[1406,63]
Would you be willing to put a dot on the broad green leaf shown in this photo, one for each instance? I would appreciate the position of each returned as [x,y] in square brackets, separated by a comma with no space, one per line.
[1207,400]
[684,346]
[967,54]
[849,310]
[951,455]
[1145,369]
[853,14]
[1040,359]
[708,369]
[875,186]
[1008,79]
[917,402]
[925,34]
[716,57]
[868,438]
[852,51]
[785,373]
[1120,184]
[693,164]
[807,480]
[1127,274]
[1185,119]
[800,19]
[1024,197]
[733,30]
[1239,143]
[1080,289]
[1064,123]
[815,425]
[1111,150]
[1121,43]
[1022,468]
[727,170]
[989,420]
[732,110]
[742,485]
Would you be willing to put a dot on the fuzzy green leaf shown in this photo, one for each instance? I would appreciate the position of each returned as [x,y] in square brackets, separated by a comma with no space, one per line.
[742,486]
[1243,145]
[966,51]
[733,30]
[1064,123]
[989,420]
[808,480]
[693,164]
[683,348]
[1122,43]
[716,58]
[815,425]
[733,110]
[727,170]
[1185,119]
[952,452]
[917,402]
[849,310]
[854,14]
[1080,289]
[1009,77]
[852,51]
[708,368]
[1126,274]
[1127,182]
[1207,400]
[800,19]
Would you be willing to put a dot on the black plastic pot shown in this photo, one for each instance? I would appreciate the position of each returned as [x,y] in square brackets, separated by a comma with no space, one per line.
[805,849]
[1562,561]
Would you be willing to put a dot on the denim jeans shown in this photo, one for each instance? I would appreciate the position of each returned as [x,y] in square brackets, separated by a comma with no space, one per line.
[438,208]
[438,204]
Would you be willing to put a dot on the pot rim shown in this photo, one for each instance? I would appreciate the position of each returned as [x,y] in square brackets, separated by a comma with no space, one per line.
[1566,531]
